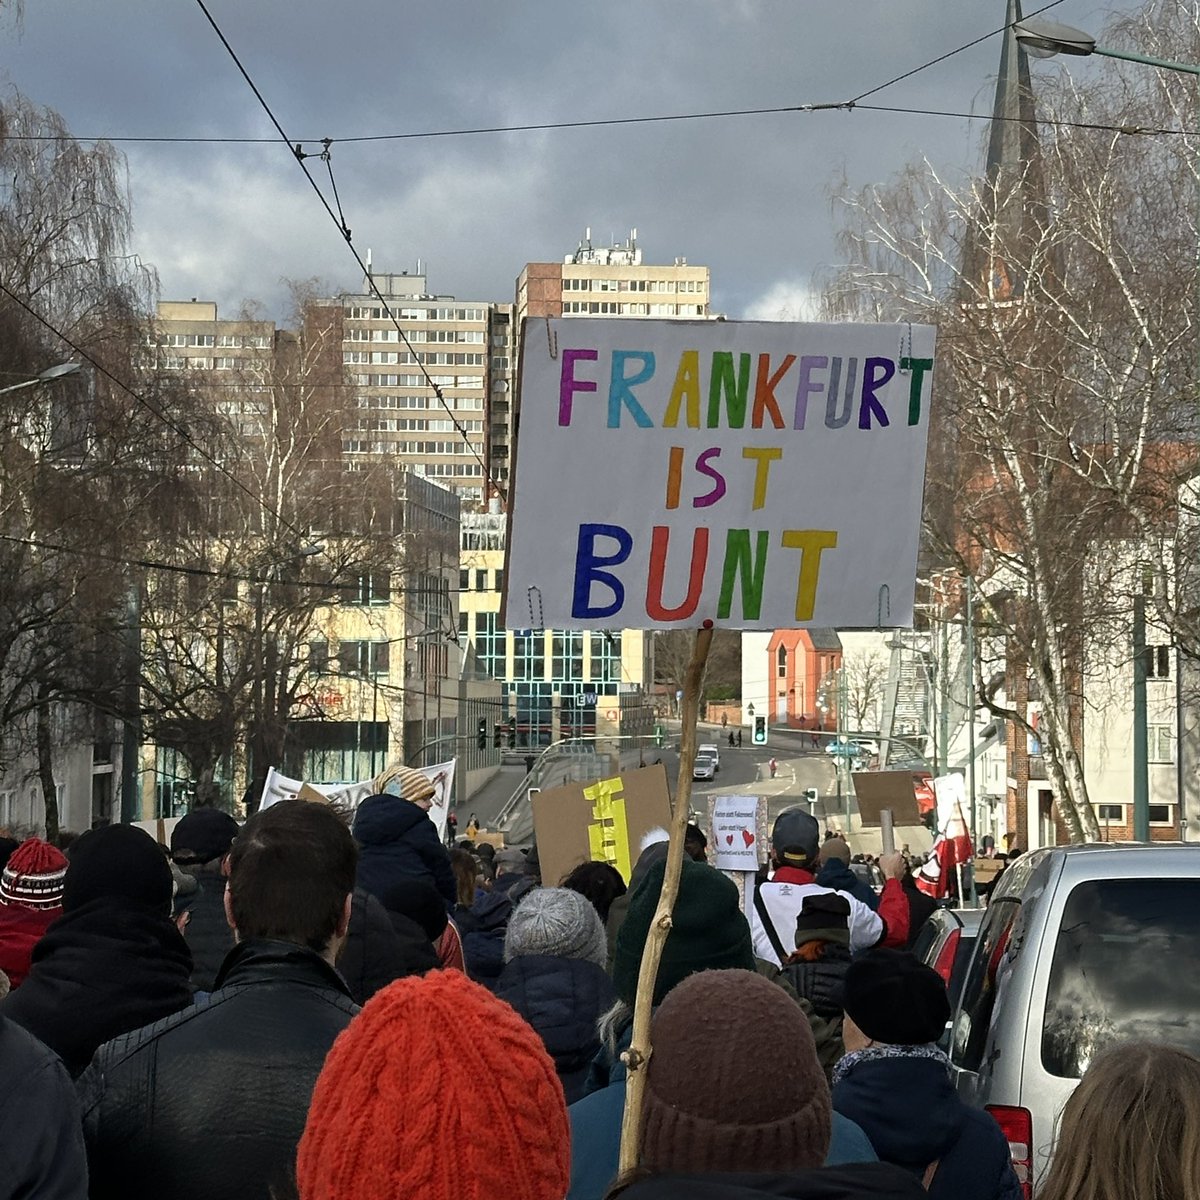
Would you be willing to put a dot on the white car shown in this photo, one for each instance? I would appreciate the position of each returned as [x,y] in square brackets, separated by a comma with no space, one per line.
[704,767]
[713,751]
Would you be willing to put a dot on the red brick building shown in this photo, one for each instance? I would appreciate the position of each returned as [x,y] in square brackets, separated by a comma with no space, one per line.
[800,662]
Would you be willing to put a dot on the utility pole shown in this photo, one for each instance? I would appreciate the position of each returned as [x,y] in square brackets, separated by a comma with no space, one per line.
[971,699]
[1141,770]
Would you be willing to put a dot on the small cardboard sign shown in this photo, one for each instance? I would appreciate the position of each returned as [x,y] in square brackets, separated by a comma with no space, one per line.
[603,820]
[738,825]
[877,790]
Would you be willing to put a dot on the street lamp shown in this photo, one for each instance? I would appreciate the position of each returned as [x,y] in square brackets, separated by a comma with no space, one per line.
[55,372]
[1044,39]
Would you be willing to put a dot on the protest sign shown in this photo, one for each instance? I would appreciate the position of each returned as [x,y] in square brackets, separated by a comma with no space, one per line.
[877,790]
[350,795]
[751,475]
[603,820]
[738,825]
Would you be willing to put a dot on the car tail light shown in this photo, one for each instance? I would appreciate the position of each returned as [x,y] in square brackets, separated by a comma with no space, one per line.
[1017,1127]
[945,959]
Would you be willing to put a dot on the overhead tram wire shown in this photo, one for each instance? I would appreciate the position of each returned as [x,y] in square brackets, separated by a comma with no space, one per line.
[300,155]
[153,409]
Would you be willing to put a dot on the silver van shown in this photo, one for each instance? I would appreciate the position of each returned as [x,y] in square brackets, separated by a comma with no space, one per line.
[1081,947]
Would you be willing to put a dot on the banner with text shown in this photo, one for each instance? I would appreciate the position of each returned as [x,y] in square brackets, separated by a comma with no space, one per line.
[755,475]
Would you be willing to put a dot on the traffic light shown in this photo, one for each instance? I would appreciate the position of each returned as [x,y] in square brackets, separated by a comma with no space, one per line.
[481,733]
[759,737]
[659,736]
[497,733]
[811,796]
[512,732]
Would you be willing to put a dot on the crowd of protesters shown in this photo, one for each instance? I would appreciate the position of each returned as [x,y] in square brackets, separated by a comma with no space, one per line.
[332,1006]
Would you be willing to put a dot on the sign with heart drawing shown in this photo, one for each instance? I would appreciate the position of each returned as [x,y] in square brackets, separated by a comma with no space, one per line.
[736,825]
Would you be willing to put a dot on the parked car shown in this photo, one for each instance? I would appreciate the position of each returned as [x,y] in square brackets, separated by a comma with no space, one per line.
[1089,946]
[713,751]
[843,748]
[945,943]
[704,767]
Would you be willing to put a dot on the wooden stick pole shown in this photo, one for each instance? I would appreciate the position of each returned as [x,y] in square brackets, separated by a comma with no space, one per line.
[638,1054]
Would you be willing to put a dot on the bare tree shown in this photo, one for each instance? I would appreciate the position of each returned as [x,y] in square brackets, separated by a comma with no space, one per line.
[866,673]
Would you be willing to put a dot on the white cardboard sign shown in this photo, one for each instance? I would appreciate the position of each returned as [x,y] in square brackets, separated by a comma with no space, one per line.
[751,475]
[735,833]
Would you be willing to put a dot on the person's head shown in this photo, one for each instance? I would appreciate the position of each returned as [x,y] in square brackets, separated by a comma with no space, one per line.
[409,785]
[892,998]
[7,846]
[382,1126]
[34,876]
[418,900]
[823,918]
[118,864]
[1131,1128]
[558,923]
[291,873]
[695,844]
[486,851]
[835,850]
[795,839]
[764,1111]
[600,882]
[533,864]
[708,930]
[509,861]
[465,867]
[202,836]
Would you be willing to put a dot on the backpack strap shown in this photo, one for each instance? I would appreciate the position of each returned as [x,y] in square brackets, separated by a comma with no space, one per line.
[930,1172]
[760,907]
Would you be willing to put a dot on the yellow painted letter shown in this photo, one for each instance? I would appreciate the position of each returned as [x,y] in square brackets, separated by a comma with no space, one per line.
[810,543]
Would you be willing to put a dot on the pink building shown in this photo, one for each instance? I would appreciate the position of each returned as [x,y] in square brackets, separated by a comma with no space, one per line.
[801,661]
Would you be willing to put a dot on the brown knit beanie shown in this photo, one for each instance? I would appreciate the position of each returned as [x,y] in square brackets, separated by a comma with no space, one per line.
[764,1104]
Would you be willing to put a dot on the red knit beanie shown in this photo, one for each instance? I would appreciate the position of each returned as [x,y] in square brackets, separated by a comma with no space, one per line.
[34,876]
[436,1090]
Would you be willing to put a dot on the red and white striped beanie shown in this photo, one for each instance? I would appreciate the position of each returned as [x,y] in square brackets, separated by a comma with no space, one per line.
[34,876]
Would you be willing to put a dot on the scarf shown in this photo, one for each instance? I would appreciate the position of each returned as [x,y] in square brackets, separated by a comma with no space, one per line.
[873,1053]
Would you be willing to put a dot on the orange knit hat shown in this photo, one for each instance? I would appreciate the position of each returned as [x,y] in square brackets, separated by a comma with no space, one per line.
[436,1090]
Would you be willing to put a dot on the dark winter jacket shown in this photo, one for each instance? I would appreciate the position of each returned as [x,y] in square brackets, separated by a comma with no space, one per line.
[909,1109]
[596,1142]
[398,838]
[821,982]
[837,875]
[562,998]
[212,1101]
[380,947]
[865,1181]
[483,947]
[208,935]
[41,1144]
[101,970]
[920,908]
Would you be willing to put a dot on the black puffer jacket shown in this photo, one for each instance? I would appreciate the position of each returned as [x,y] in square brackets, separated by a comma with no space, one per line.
[101,970]
[208,935]
[41,1146]
[562,998]
[821,983]
[861,1181]
[380,947]
[397,838]
[212,1101]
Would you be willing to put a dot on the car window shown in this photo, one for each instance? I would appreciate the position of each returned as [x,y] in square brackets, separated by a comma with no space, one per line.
[923,944]
[1126,966]
[979,991]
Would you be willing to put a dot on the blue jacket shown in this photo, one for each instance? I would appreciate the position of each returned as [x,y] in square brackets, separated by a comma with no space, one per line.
[835,874]
[396,839]
[909,1109]
[483,945]
[596,1142]
[562,998]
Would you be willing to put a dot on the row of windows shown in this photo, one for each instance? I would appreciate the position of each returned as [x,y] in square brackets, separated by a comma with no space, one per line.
[454,448]
[397,380]
[613,308]
[377,313]
[479,577]
[445,470]
[1160,814]
[440,358]
[572,284]
[464,403]
[529,652]
[223,341]
[416,425]
[474,336]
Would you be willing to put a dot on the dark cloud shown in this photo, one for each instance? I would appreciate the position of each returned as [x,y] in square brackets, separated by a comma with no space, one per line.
[746,196]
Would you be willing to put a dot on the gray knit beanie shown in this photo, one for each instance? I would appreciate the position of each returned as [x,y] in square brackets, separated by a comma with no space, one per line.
[556,922]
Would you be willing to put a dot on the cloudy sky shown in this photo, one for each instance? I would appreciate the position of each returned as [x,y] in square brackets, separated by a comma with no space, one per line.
[747,196]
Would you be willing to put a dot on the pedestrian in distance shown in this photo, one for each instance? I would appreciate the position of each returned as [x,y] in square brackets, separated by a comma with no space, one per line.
[1131,1128]
[773,766]
[739,738]
[731,739]
[724,720]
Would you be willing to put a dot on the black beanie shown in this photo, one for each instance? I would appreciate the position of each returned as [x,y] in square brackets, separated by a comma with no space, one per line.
[118,862]
[202,835]
[894,998]
[708,930]
[824,917]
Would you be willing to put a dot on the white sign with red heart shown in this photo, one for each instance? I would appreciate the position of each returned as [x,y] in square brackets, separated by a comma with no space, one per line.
[735,833]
